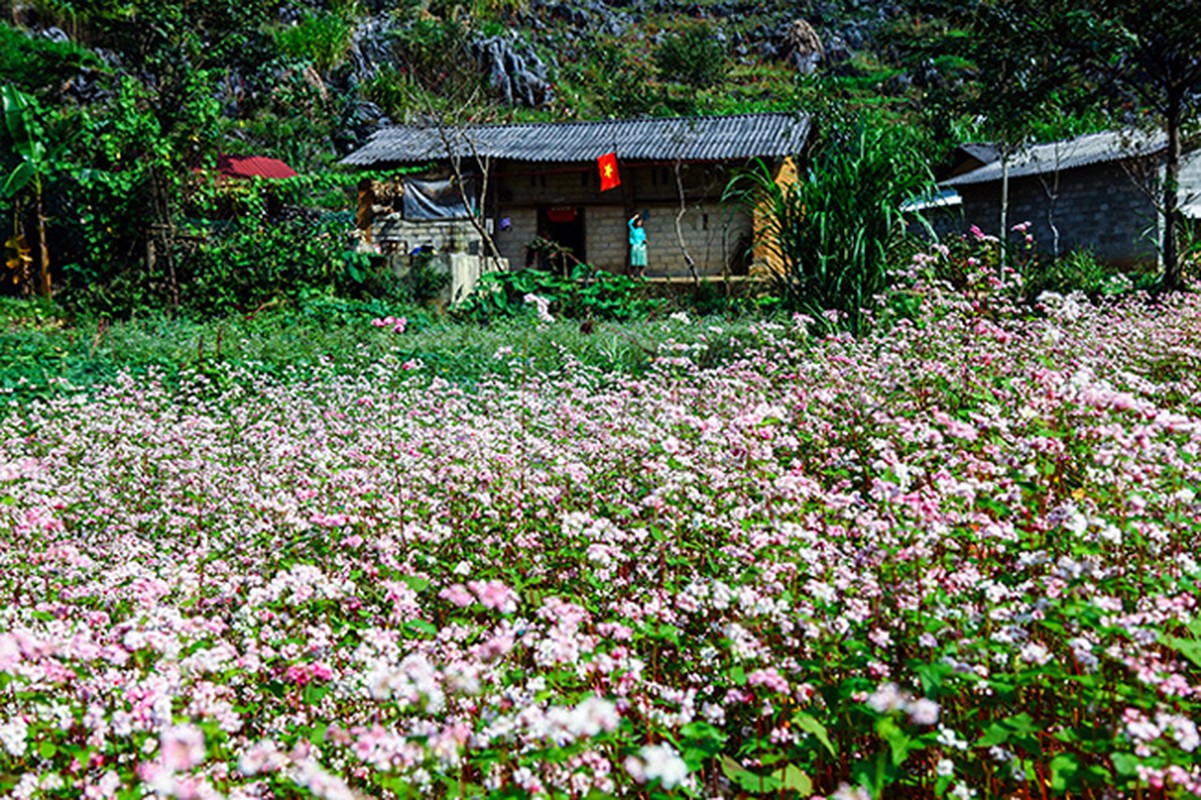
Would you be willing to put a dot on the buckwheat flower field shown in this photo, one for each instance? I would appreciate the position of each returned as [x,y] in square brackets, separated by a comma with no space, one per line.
[957,557]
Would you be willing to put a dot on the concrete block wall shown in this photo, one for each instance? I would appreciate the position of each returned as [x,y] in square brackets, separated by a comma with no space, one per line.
[548,188]
[1099,207]
[395,234]
[523,227]
[608,237]
[711,234]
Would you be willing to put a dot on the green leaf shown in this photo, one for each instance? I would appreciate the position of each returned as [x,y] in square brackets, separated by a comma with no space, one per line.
[700,741]
[810,725]
[1065,768]
[417,584]
[420,627]
[313,694]
[931,676]
[1003,730]
[750,782]
[47,749]
[1189,648]
[793,779]
[18,179]
[1125,764]
[899,742]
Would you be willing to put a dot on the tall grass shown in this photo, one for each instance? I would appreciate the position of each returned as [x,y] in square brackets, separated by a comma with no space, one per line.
[828,236]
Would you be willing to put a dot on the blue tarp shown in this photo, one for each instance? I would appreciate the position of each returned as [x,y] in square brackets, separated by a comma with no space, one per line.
[434,200]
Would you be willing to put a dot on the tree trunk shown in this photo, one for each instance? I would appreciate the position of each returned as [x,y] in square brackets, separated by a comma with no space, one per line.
[689,261]
[1004,235]
[1171,200]
[44,286]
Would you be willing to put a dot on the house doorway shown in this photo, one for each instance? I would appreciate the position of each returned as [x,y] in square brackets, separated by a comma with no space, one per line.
[563,226]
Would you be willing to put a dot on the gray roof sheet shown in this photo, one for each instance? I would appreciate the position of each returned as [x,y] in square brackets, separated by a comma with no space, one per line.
[687,138]
[1039,159]
[984,152]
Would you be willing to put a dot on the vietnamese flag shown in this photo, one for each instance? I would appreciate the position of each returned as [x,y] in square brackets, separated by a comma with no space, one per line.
[607,164]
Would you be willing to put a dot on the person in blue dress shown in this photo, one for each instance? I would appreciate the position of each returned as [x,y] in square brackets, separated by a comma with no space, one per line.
[637,245]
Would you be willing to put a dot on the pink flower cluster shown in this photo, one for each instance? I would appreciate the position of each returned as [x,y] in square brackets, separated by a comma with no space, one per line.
[397,324]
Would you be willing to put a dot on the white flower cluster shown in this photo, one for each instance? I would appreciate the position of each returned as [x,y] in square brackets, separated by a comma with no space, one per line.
[12,736]
[890,698]
[658,762]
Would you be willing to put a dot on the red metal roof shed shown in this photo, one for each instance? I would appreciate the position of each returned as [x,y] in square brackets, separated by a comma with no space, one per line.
[254,167]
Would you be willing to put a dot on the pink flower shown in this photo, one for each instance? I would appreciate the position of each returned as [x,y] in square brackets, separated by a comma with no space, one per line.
[457,594]
[183,747]
[299,674]
[768,678]
[495,595]
[397,324]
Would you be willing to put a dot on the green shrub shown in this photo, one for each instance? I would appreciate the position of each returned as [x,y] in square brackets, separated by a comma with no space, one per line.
[1079,271]
[621,79]
[692,55]
[588,294]
[33,63]
[322,37]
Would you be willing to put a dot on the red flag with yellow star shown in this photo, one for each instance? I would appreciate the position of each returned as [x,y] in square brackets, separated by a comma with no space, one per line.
[607,164]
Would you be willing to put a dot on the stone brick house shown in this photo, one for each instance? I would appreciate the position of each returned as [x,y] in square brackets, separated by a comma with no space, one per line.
[1097,192]
[541,182]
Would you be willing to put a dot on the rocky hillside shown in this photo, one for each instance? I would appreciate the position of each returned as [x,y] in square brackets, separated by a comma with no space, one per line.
[313,78]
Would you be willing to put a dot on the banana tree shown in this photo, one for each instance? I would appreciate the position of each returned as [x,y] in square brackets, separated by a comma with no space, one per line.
[35,162]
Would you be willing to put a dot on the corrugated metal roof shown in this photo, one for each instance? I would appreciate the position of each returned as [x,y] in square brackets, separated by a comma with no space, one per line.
[1039,159]
[254,166]
[687,138]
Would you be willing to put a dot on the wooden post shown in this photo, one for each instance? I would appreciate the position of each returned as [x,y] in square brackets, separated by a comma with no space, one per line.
[365,213]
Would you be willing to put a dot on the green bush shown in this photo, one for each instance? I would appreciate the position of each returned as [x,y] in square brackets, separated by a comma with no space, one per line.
[621,80]
[247,264]
[588,294]
[323,38]
[1079,271]
[692,55]
[33,63]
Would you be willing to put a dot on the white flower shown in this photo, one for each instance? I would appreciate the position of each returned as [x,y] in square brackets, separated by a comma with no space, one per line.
[887,698]
[923,712]
[1035,653]
[658,762]
[12,736]
[947,737]
[543,306]
[592,716]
